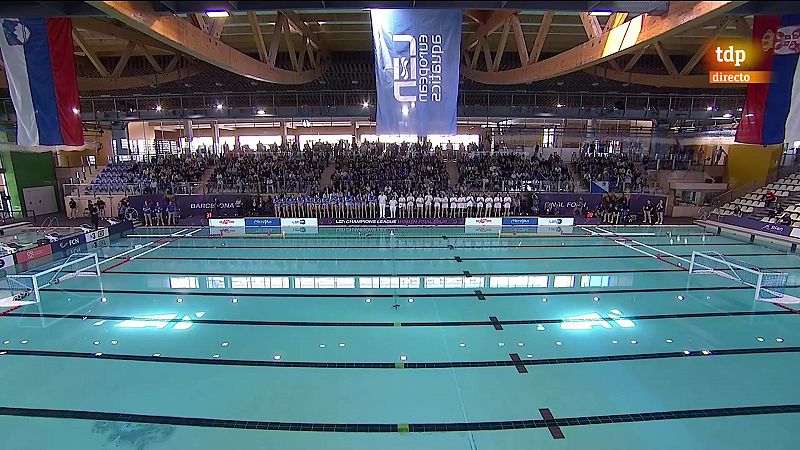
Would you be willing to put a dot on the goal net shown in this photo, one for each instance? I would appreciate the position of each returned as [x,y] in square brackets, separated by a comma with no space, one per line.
[769,286]
[78,271]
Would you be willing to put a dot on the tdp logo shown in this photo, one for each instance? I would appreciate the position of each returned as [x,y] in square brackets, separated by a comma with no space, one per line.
[730,55]
[588,321]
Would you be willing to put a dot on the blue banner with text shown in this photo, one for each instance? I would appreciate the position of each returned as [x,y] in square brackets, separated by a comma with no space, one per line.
[417,70]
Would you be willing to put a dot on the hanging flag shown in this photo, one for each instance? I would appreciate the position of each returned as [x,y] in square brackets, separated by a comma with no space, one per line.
[599,187]
[771,113]
[40,68]
[416,70]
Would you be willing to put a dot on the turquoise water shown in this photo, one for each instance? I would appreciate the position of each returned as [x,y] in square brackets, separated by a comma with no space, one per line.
[206,342]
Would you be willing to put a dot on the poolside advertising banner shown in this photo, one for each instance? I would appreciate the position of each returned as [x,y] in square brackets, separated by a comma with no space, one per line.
[226,223]
[566,202]
[67,243]
[299,222]
[6,261]
[192,205]
[262,222]
[417,59]
[520,221]
[441,221]
[36,252]
[746,222]
[96,235]
[483,221]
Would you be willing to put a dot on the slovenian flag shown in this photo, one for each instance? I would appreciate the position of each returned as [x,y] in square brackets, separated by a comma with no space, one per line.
[40,69]
[771,113]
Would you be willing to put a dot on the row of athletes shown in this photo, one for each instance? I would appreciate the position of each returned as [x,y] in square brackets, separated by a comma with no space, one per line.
[407,206]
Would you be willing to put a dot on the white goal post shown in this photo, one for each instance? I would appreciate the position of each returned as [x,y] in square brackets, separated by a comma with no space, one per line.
[769,286]
[76,265]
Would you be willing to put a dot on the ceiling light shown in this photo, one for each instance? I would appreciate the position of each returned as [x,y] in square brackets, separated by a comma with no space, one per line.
[709,108]
[706,352]
[559,105]
[215,356]
[615,342]
[686,352]
[276,357]
[403,357]
[558,342]
[596,13]
[779,340]
[219,106]
[158,108]
[462,345]
[156,355]
[760,339]
[405,110]
[261,112]
[216,13]
[114,342]
[634,342]
[529,355]
[341,344]
[321,345]
[669,341]
[76,110]
[727,115]
[365,105]
[540,327]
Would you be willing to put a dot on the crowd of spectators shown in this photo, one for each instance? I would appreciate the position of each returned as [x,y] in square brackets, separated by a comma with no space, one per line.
[510,171]
[269,172]
[392,167]
[161,173]
[621,173]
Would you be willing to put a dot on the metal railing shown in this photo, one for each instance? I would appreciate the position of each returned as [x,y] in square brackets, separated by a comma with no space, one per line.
[732,194]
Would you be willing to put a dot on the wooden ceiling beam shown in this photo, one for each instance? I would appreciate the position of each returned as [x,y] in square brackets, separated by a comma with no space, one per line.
[628,38]
[255,27]
[123,60]
[89,53]
[541,36]
[185,38]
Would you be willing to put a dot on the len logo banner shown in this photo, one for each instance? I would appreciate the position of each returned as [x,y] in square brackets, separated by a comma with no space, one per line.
[416,70]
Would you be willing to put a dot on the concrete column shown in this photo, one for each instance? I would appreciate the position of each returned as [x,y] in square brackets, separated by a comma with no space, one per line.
[188,134]
[215,144]
[284,134]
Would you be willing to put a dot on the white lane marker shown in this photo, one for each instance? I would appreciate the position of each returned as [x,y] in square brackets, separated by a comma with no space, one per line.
[151,250]
[126,252]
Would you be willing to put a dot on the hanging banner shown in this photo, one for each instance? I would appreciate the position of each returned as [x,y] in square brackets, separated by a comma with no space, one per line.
[40,69]
[416,70]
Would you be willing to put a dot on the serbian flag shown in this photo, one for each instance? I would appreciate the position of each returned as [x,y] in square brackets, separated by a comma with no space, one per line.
[771,113]
[40,69]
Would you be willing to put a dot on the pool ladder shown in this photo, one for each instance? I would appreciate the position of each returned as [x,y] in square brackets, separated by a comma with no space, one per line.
[48,225]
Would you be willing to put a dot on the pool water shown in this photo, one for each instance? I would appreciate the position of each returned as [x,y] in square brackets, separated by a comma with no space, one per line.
[427,338]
